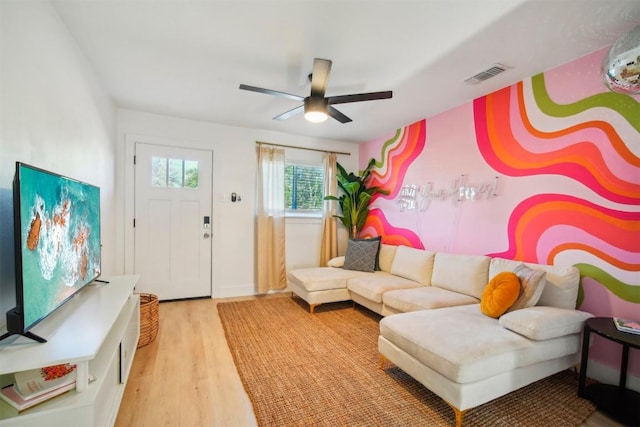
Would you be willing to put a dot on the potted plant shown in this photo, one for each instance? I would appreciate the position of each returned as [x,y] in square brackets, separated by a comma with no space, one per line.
[354,202]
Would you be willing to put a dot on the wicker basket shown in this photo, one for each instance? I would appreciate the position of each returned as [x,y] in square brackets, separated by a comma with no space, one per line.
[148,319]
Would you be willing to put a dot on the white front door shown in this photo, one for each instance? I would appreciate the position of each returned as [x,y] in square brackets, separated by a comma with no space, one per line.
[173,221]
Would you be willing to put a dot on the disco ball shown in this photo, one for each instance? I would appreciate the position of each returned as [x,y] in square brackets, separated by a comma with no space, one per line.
[621,64]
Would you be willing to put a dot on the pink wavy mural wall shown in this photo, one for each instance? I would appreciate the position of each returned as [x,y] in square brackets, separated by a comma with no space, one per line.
[566,155]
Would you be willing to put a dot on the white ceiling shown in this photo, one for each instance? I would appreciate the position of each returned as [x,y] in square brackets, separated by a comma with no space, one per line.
[186,58]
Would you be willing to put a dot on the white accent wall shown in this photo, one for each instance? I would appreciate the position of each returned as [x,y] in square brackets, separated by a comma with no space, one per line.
[54,114]
[234,171]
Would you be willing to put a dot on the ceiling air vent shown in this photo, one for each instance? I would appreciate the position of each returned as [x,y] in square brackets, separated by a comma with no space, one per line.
[493,71]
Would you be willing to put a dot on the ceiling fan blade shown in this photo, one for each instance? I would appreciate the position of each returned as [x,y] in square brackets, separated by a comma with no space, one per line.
[272,92]
[338,115]
[371,96]
[289,113]
[320,77]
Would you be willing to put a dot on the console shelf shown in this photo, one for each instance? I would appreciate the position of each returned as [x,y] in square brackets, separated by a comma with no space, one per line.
[98,330]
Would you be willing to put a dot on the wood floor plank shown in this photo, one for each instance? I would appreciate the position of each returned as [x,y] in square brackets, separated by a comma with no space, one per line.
[186,377]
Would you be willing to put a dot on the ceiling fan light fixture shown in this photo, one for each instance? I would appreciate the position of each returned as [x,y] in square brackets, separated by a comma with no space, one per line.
[316,109]
[316,116]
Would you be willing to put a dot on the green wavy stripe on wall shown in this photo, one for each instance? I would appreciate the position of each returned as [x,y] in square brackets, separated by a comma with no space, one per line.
[383,151]
[580,299]
[624,105]
[620,289]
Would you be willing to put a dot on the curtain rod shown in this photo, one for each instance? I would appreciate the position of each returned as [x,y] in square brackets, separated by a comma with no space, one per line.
[302,148]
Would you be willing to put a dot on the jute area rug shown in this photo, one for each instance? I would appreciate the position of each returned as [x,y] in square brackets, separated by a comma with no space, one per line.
[301,369]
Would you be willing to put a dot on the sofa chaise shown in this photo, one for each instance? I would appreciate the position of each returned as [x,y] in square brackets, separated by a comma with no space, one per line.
[434,327]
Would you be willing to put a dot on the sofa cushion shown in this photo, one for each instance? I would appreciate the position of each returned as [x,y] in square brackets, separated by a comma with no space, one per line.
[362,254]
[543,323]
[561,286]
[337,262]
[467,274]
[531,285]
[373,286]
[413,264]
[321,278]
[561,282]
[423,298]
[387,252]
[501,292]
[465,346]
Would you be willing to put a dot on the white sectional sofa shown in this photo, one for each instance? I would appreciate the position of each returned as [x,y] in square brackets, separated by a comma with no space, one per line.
[434,328]
[409,279]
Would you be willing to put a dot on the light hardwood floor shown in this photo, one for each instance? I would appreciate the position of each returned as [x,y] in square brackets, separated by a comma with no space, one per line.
[186,377]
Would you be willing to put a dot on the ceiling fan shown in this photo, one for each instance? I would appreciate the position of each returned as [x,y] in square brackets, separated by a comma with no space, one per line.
[316,107]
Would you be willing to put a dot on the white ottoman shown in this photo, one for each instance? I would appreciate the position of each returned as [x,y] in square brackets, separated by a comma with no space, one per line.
[320,285]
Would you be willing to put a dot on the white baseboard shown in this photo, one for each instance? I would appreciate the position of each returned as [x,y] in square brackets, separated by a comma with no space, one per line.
[242,291]
[608,375]
[236,291]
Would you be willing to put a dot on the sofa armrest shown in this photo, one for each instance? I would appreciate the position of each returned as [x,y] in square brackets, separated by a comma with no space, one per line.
[544,322]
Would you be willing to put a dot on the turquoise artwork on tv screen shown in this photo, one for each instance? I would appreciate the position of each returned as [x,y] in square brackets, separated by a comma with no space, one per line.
[60,239]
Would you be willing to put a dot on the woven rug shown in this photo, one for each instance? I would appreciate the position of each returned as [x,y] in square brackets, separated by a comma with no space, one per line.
[323,369]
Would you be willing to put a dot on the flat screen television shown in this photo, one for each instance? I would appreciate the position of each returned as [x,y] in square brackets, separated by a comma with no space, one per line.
[57,244]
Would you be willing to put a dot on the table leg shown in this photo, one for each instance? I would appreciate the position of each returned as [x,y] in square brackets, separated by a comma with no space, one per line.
[623,366]
[586,335]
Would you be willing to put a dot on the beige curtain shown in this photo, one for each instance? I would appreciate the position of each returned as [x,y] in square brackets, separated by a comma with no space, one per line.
[329,247]
[270,221]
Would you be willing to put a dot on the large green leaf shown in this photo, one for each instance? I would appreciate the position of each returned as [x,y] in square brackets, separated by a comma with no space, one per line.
[375,190]
[341,172]
[351,188]
[354,202]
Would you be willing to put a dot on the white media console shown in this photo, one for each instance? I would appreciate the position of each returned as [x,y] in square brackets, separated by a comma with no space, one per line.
[98,329]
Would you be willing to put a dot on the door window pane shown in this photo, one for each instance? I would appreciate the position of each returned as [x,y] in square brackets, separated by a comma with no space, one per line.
[174,173]
[190,174]
[158,172]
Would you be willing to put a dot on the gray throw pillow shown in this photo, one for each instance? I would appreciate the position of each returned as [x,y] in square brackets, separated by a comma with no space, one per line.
[361,254]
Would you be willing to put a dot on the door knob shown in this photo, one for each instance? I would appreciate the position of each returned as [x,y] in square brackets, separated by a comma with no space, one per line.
[206,235]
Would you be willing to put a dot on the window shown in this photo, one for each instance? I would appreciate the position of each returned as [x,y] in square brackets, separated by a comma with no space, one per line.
[303,189]
[174,173]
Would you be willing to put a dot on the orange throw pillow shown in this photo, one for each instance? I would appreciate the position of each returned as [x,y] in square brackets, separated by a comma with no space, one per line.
[501,292]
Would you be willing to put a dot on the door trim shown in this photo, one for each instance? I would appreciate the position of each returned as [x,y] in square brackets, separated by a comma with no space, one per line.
[125,226]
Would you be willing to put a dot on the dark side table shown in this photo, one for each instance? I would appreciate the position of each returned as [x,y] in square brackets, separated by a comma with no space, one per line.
[618,402]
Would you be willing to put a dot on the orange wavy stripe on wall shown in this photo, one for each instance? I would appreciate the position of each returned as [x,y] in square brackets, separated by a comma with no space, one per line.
[388,236]
[595,252]
[583,154]
[499,147]
[501,141]
[592,221]
[397,156]
[533,223]
[384,179]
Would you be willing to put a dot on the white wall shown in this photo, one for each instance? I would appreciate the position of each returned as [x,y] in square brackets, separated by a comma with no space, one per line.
[54,114]
[234,169]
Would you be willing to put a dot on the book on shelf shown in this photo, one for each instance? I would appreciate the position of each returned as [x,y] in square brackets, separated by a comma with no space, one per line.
[624,325]
[11,395]
[34,382]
